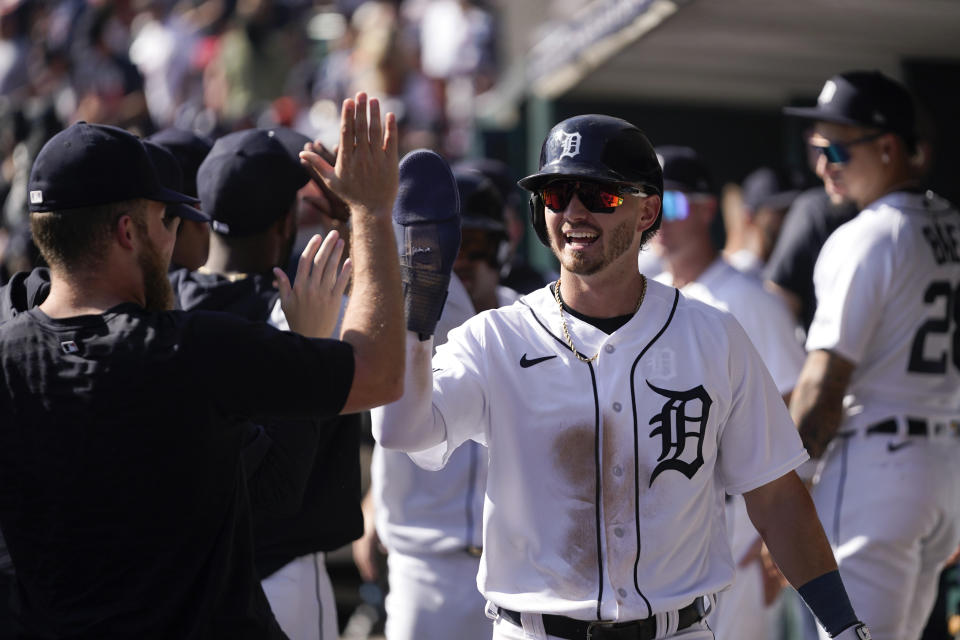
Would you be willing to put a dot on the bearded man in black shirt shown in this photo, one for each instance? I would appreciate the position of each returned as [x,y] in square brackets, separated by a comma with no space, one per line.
[122,497]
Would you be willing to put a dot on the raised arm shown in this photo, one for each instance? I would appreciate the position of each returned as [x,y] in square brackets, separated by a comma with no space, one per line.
[365,178]
[427,221]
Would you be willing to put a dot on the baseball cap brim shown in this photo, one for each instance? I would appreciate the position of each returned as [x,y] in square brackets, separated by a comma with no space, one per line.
[187,212]
[169,196]
[813,113]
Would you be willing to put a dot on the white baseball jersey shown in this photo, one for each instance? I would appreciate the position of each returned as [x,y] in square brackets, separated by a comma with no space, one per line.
[763,315]
[606,483]
[747,262]
[888,286]
[422,511]
[888,300]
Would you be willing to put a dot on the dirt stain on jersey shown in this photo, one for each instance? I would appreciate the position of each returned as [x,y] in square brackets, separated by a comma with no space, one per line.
[618,492]
[618,469]
[573,455]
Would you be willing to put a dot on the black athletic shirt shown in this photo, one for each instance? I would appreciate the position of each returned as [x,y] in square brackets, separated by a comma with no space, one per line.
[122,498]
[303,475]
[807,225]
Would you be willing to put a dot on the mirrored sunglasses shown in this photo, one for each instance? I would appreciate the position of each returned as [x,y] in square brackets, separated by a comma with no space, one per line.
[676,205]
[839,152]
[595,197]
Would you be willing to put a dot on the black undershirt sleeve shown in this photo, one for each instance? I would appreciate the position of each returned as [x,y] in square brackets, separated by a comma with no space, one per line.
[255,371]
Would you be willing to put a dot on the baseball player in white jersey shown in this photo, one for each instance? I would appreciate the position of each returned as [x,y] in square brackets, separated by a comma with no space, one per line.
[879,396]
[430,521]
[694,265]
[616,414]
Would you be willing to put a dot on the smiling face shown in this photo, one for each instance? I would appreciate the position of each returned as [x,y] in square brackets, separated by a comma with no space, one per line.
[587,243]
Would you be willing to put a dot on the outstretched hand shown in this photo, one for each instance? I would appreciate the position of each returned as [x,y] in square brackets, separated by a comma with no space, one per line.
[312,303]
[364,175]
[328,202]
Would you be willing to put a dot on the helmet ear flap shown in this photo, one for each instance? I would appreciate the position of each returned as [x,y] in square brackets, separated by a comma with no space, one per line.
[538,219]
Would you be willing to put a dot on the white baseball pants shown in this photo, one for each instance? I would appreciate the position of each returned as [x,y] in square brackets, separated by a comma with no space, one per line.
[891,508]
[301,597]
[435,597]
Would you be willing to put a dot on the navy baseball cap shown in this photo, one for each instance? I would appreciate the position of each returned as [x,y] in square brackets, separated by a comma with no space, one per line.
[766,187]
[170,176]
[248,181]
[864,99]
[292,141]
[481,206]
[683,170]
[86,165]
[188,148]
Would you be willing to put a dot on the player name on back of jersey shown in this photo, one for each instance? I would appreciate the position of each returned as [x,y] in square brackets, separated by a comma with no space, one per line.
[943,241]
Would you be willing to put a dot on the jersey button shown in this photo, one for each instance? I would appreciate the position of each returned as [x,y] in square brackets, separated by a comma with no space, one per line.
[618,532]
[609,348]
[622,592]
[618,471]
[617,406]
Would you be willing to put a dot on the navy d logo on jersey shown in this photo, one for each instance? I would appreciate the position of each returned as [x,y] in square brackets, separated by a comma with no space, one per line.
[677,426]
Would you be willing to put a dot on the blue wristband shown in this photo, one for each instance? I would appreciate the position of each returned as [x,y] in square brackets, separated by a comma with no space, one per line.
[827,599]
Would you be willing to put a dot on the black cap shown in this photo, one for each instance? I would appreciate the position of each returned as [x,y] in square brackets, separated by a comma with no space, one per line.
[247,182]
[292,141]
[481,206]
[684,170]
[865,99]
[86,165]
[188,148]
[171,177]
[597,147]
[766,187]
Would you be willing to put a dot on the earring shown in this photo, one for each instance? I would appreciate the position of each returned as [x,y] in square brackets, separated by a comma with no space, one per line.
[885,158]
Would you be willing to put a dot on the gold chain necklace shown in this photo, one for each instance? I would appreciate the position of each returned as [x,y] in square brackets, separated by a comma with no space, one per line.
[563,320]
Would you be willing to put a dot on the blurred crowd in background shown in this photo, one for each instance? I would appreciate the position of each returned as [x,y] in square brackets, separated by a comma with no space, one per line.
[215,66]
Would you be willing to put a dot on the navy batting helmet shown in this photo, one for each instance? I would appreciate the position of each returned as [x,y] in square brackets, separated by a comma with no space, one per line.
[597,148]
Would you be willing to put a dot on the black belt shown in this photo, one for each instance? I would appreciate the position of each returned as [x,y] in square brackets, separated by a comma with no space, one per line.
[646,629]
[915,427]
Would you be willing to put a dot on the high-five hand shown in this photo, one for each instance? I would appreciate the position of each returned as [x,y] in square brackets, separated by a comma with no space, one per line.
[312,303]
[365,173]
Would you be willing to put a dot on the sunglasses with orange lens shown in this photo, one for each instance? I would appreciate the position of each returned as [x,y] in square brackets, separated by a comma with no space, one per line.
[595,196]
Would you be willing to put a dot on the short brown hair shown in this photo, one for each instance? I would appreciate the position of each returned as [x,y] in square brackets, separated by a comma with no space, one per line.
[78,238]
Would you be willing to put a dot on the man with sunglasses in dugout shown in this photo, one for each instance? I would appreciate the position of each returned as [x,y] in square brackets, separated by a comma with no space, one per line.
[616,413]
[879,396]
[694,265]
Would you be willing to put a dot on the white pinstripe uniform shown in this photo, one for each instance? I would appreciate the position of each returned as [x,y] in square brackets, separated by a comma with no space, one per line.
[888,292]
[606,481]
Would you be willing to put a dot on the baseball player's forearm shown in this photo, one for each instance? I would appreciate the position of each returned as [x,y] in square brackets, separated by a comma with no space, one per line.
[783,513]
[373,322]
[786,518]
[365,178]
[816,404]
[410,423]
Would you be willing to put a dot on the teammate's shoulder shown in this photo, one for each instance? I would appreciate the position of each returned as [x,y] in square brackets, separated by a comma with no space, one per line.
[704,315]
